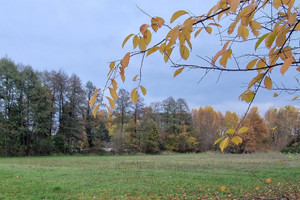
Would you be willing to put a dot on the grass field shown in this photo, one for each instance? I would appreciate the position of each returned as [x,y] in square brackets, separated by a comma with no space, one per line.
[184,176]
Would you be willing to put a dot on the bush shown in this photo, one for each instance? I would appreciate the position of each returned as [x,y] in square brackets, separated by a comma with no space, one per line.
[293,146]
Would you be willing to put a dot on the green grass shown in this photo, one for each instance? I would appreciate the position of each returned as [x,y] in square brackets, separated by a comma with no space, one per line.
[184,176]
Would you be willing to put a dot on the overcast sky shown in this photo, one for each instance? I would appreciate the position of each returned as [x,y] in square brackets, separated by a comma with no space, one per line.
[82,36]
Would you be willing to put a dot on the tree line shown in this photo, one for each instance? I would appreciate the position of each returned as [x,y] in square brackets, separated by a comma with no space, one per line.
[48,112]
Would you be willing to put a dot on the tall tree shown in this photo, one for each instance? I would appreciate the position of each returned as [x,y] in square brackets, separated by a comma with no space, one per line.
[123,107]
[207,124]
[89,120]
[255,139]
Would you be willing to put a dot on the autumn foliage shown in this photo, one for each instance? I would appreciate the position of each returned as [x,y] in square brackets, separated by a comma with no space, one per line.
[269,28]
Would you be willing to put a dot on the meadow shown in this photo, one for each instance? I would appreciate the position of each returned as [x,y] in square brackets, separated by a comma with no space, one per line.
[179,176]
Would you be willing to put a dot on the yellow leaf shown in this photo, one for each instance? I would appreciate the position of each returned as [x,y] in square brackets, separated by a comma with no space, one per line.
[224,144]
[95,110]
[154,24]
[114,84]
[135,77]
[297,28]
[126,39]
[144,28]
[173,34]
[218,140]
[275,95]
[234,4]
[261,64]
[270,39]
[160,21]
[280,40]
[142,44]
[111,66]
[215,24]
[152,50]
[144,91]
[243,32]
[184,52]
[134,95]
[147,37]
[268,181]
[198,31]
[93,99]
[109,110]
[232,27]
[247,96]
[223,188]
[177,72]
[111,102]
[177,14]
[113,93]
[243,130]
[287,63]
[256,79]
[135,41]
[208,29]
[222,51]
[295,98]
[225,57]
[298,69]
[292,19]
[122,77]
[125,60]
[230,131]
[255,25]
[268,83]
[260,40]
[251,64]
[167,54]
[276,3]
[237,140]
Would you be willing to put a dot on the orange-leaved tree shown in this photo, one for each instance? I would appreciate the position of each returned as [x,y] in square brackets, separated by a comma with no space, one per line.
[270,27]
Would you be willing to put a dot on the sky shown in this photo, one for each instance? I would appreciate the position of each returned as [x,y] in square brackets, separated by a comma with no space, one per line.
[83,36]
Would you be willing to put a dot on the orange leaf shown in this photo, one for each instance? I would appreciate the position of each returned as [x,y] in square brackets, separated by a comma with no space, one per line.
[234,4]
[295,98]
[135,77]
[114,84]
[143,28]
[125,60]
[268,83]
[208,29]
[287,63]
[111,66]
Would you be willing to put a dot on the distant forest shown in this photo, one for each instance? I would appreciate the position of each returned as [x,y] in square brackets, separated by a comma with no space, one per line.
[48,112]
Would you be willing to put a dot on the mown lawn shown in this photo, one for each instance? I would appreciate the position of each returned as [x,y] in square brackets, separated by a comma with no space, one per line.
[184,176]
